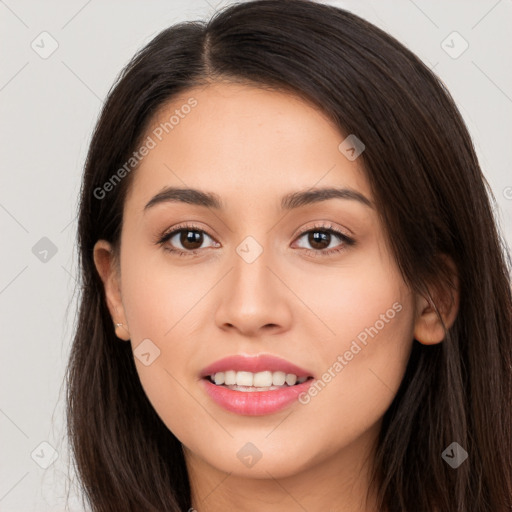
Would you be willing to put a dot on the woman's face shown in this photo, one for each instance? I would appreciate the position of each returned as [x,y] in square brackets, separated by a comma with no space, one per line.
[259,278]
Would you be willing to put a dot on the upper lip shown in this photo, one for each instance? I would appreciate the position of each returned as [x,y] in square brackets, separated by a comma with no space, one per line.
[254,364]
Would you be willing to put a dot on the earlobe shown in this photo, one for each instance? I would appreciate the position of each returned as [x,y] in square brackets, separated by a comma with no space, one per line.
[105,262]
[438,308]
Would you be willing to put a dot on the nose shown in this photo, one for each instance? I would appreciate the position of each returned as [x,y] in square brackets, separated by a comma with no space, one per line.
[253,298]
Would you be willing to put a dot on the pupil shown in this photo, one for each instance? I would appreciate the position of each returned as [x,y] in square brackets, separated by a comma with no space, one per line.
[191,237]
[318,238]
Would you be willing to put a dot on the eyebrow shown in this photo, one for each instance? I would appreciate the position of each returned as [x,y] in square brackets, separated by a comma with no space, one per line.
[288,202]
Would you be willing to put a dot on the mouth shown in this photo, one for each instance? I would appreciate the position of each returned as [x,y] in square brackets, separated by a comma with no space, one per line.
[255,385]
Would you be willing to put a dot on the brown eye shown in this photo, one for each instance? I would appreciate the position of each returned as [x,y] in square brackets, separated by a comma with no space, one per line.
[190,239]
[319,239]
[185,240]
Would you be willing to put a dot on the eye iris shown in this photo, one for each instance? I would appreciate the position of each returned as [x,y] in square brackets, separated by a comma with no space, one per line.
[319,238]
[191,237]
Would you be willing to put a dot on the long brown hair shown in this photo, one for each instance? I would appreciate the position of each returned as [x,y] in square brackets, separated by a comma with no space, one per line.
[433,201]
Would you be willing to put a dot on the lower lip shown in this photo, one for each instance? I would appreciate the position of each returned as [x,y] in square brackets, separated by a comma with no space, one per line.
[255,403]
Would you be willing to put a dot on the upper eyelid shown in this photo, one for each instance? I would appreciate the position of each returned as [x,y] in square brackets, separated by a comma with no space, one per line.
[329,228]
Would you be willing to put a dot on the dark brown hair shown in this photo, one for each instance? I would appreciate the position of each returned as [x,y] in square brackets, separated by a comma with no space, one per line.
[433,201]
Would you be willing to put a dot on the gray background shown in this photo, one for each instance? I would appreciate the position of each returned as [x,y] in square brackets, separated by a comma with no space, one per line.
[48,108]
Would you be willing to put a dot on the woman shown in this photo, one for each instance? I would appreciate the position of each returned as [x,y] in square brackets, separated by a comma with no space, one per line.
[294,293]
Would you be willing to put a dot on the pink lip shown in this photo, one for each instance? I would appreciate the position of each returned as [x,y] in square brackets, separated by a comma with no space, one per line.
[254,403]
[255,364]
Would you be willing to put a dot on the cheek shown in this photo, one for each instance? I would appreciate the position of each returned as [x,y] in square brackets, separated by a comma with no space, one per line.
[157,294]
[356,299]
[360,380]
[162,303]
[370,313]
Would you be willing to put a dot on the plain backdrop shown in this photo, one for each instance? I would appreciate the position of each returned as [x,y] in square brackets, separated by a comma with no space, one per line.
[48,107]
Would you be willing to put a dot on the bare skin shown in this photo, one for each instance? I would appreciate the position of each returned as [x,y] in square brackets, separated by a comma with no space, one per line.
[251,147]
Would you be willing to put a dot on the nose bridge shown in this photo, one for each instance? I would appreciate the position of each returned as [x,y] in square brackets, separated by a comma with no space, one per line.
[253,296]
[250,273]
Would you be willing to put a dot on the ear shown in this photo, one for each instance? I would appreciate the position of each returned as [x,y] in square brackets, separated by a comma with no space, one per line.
[442,298]
[108,269]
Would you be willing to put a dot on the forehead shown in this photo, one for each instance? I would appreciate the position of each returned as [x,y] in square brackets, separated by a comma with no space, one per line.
[243,140]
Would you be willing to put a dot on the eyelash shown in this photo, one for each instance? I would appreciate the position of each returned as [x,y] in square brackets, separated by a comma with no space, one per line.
[347,241]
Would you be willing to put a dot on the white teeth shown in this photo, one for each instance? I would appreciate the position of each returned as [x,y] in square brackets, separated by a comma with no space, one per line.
[230,378]
[279,378]
[291,379]
[264,379]
[244,379]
